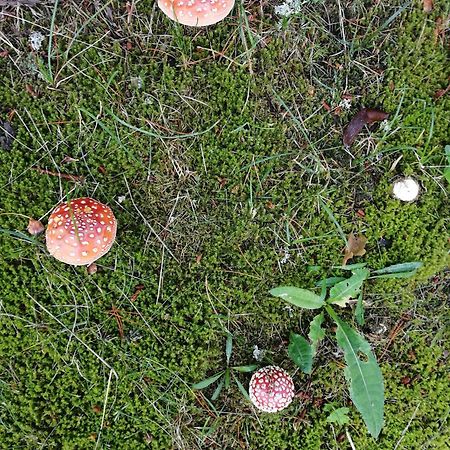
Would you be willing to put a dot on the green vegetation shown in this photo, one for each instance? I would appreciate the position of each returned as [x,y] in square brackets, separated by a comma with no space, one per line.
[216,148]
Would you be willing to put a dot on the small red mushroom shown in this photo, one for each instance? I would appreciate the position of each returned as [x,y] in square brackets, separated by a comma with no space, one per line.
[196,13]
[80,231]
[271,389]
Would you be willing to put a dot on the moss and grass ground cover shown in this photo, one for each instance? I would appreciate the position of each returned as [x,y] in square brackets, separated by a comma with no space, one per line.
[215,148]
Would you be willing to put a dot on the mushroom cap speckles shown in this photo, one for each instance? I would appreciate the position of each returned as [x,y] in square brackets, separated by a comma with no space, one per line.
[80,231]
[271,389]
[196,13]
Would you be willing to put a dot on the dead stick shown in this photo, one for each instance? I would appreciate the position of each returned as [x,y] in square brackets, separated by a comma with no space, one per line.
[65,176]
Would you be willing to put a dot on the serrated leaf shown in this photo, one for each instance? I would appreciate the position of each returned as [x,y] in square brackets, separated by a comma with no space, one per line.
[208,381]
[363,376]
[298,297]
[229,347]
[349,288]
[329,282]
[316,332]
[400,268]
[250,368]
[218,390]
[242,389]
[301,352]
[339,416]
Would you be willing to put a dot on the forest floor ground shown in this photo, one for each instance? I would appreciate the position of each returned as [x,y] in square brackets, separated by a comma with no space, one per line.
[217,148]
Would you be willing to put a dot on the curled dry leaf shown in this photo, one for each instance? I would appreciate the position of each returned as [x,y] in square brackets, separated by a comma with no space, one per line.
[427,6]
[35,227]
[356,246]
[92,268]
[365,116]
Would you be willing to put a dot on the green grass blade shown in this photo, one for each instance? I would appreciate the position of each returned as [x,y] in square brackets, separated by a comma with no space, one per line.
[245,369]
[207,382]
[298,297]
[229,347]
[218,390]
[242,389]
[50,41]
[333,219]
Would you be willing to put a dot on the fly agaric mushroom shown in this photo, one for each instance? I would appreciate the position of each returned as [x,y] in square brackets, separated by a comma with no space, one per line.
[271,389]
[80,231]
[406,189]
[196,13]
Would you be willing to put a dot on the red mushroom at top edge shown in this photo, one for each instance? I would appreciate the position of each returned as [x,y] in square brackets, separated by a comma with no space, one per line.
[196,13]
[80,231]
[271,389]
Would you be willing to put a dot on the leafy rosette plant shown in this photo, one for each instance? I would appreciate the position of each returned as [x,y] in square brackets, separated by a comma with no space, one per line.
[362,372]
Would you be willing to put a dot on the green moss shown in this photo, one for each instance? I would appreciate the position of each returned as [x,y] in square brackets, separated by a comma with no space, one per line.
[235,152]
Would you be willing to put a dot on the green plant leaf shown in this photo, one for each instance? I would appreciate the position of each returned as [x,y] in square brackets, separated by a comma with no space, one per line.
[218,390]
[329,282]
[301,352]
[396,275]
[250,368]
[363,376]
[399,268]
[359,310]
[316,332]
[229,347]
[208,381]
[338,416]
[298,297]
[349,288]
[227,378]
[351,266]
[242,389]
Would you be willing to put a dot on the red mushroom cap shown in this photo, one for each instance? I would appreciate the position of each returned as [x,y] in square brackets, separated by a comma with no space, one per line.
[271,389]
[80,231]
[196,13]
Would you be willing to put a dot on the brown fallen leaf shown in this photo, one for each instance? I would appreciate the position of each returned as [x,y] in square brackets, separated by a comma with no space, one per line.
[441,92]
[137,290]
[35,227]
[92,268]
[365,116]
[427,6]
[356,244]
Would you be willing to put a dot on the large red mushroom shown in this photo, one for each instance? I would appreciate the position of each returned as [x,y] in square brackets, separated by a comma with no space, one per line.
[271,389]
[80,231]
[196,13]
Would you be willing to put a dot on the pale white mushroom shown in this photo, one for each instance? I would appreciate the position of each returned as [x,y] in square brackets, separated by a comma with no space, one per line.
[406,189]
